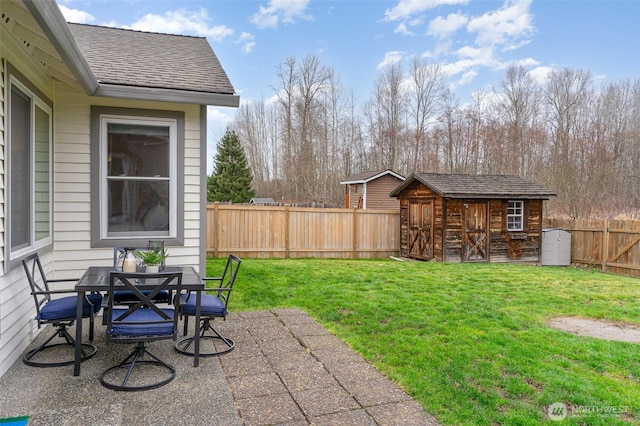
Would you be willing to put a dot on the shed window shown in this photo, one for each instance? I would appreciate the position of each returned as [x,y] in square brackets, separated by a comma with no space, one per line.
[29,171]
[515,215]
[138,174]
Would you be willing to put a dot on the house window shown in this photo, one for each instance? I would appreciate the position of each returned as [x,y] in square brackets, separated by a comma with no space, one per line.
[515,216]
[139,174]
[29,170]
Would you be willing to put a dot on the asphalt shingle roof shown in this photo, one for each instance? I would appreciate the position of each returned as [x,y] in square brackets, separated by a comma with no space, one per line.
[144,59]
[478,186]
[369,175]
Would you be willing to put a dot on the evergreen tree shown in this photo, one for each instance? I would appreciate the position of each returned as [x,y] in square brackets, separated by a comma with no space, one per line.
[231,179]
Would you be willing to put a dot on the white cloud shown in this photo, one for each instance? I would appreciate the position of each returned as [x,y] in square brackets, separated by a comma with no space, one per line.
[75,15]
[427,54]
[467,78]
[406,8]
[527,62]
[285,11]
[182,22]
[248,42]
[402,29]
[503,25]
[495,31]
[443,47]
[480,55]
[444,27]
[220,117]
[392,57]
[458,66]
[539,74]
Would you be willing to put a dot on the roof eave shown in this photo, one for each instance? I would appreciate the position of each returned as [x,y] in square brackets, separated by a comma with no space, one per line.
[408,181]
[48,15]
[386,172]
[168,95]
[500,196]
[374,177]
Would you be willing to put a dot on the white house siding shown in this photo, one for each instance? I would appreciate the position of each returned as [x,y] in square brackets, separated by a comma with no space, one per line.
[16,305]
[72,184]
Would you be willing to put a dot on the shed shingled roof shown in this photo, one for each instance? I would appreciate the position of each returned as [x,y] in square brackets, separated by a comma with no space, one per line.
[153,60]
[478,186]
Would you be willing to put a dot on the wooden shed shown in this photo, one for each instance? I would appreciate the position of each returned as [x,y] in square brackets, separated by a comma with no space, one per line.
[470,218]
[370,190]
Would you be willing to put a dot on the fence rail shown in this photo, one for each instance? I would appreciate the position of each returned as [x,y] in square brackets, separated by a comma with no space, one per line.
[286,232]
[613,245]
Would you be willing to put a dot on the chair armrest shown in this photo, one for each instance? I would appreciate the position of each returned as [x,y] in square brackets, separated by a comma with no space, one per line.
[59,291]
[62,280]
[69,291]
[216,289]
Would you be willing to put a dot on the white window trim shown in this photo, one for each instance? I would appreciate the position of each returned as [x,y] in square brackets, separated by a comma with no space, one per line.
[36,101]
[520,215]
[172,124]
[99,194]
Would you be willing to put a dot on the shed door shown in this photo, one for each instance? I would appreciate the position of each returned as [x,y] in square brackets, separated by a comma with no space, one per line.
[476,241]
[421,229]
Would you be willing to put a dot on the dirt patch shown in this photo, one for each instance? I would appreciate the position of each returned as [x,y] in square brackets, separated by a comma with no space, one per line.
[597,328]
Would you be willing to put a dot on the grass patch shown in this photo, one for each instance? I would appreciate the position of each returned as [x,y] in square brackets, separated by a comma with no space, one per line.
[468,341]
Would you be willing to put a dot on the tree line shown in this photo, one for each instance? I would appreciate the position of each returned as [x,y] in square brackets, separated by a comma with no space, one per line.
[576,137]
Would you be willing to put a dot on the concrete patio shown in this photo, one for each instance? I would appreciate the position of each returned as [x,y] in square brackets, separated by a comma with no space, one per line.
[286,369]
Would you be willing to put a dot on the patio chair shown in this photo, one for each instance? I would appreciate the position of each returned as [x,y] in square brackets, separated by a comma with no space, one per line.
[141,322]
[212,306]
[59,312]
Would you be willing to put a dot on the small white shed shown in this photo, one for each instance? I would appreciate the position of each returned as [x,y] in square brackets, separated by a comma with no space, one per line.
[556,247]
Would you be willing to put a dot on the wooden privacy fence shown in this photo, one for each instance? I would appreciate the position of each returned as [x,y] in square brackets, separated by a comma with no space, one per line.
[287,232]
[614,245]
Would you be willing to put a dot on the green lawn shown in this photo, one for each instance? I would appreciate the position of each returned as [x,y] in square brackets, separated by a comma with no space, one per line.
[468,341]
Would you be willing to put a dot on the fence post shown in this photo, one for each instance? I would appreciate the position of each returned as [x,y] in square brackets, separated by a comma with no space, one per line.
[605,245]
[354,233]
[216,224]
[286,231]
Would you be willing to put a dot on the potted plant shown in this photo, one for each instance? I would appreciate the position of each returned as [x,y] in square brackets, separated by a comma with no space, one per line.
[152,258]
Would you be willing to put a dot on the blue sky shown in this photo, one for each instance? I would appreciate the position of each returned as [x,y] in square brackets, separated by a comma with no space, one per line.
[474,40]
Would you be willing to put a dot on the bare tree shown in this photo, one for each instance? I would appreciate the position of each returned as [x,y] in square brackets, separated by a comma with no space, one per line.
[426,93]
[385,117]
[286,92]
[312,80]
[256,126]
[567,93]
[517,105]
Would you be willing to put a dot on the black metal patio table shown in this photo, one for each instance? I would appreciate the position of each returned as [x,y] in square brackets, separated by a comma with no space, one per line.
[96,278]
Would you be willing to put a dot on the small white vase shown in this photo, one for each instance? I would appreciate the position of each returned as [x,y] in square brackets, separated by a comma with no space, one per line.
[152,269]
[129,264]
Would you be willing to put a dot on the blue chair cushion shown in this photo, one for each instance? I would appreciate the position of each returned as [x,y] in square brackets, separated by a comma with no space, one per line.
[65,308]
[125,296]
[136,324]
[210,306]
